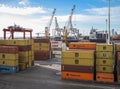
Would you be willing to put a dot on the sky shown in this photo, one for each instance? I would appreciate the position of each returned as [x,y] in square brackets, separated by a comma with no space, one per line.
[36,14]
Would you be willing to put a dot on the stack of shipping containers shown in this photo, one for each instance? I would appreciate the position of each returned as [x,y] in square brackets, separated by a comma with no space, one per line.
[26,56]
[78,61]
[105,63]
[25,53]
[41,49]
[9,60]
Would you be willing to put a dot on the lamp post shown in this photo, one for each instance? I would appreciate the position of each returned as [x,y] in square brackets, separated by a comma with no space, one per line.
[108,21]
[106,32]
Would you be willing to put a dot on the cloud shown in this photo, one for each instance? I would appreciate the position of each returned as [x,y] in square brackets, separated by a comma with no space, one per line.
[19,16]
[24,2]
[104,11]
[21,10]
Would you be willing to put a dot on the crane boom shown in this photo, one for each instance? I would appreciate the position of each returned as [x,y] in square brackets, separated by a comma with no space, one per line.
[70,18]
[47,29]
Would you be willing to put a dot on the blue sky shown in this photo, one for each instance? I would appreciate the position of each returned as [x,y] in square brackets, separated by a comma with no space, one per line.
[36,14]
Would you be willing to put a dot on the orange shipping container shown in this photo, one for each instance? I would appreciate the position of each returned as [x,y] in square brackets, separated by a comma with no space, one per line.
[118,78]
[105,77]
[82,45]
[77,76]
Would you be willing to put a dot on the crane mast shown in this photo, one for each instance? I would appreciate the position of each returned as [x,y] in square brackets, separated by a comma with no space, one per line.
[47,29]
[71,31]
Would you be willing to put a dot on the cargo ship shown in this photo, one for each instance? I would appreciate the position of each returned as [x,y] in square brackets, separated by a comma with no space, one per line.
[98,36]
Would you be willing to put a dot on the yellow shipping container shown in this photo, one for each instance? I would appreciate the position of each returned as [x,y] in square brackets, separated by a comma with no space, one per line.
[36,45]
[105,69]
[105,62]
[103,55]
[44,44]
[31,53]
[45,48]
[22,66]
[4,56]
[31,41]
[80,62]
[23,59]
[104,47]
[30,63]
[117,47]
[9,63]
[79,54]
[2,42]
[17,42]
[24,54]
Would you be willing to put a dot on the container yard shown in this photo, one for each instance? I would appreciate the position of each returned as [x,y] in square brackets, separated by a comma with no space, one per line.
[66,55]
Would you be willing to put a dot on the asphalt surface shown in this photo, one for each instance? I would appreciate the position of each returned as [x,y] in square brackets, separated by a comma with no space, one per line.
[43,76]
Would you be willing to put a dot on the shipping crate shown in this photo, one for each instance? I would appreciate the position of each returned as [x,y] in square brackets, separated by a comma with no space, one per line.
[105,69]
[9,56]
[8,49]
[17,42]
[105,77]
[9,63]
[77,76]
[79,62]
[9,69]
[82,45]
[22,66]
[104,55]
[104,47]
[86,54]
[105,62]
[117,47]
[72,68]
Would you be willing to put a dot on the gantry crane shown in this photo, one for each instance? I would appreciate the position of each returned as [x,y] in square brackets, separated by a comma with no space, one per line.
[47,29]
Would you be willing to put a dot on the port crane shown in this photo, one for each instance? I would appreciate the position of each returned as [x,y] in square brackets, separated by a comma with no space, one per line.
[72,32]
[58,32]
[47,29]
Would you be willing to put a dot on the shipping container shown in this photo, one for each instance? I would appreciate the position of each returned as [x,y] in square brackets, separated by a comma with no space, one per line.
[104,47]
[105,69]
[105,77]
[104,55]
[117,47]
[22,66]
[105,62]
[17,42]
[118,55]
[77,76]
[9,69]
[118,78]
[8,56]
[23,59]
[41,41]
[8,49]
[44,45]
[82,45]
[9,63]
[79,54]
[72,68]
[79,62]
[25,48]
